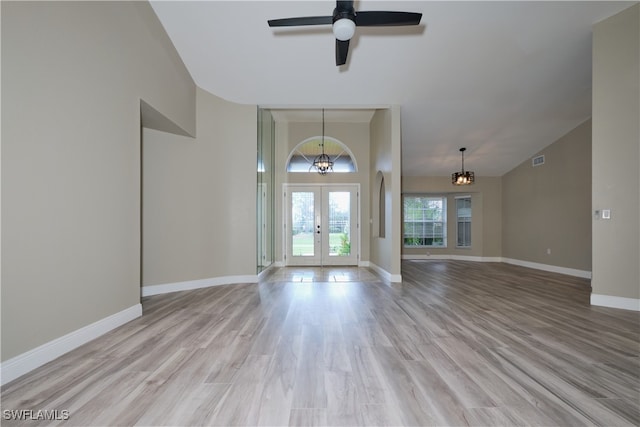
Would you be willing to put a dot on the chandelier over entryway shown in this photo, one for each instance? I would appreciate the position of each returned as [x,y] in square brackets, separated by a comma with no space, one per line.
[462,178]
[323,163]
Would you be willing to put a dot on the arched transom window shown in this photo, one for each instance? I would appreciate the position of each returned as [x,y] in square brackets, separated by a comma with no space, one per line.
[301,157]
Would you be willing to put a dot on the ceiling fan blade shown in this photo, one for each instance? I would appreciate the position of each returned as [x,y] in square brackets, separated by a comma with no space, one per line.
[342,49]
[302,20]
[382,19]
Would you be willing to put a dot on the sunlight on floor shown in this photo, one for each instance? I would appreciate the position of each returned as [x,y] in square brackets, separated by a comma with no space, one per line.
[321,274]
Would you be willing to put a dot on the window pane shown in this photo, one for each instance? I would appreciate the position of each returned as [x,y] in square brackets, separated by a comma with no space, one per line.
[424,221]
[302,156]
[463,214]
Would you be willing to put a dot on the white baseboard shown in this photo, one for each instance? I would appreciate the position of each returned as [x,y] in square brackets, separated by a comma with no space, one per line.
[452,257]
[197,284]
[615,302]
[266,271]
[545,267]
[393,278]
[364,264]
[32,359]
[552,268]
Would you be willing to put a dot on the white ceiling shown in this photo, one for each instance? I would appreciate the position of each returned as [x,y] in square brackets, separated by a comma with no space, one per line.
[504,79]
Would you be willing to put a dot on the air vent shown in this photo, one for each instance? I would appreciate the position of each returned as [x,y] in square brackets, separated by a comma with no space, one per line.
[537,161]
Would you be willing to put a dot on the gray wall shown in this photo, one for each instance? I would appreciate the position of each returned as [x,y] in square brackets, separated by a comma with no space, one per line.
[549,206]
[486,211]
[199,203]
[71,91]
[616,154]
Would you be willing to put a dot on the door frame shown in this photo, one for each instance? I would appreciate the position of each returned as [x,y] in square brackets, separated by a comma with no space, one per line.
[287,187]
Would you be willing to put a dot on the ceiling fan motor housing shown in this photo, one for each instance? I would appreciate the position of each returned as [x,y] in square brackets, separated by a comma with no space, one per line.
[344,25]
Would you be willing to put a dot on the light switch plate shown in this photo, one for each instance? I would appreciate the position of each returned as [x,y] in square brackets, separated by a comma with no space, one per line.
[606,213]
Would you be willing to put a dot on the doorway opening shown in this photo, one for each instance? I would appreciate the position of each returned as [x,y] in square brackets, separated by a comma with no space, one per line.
[321,224]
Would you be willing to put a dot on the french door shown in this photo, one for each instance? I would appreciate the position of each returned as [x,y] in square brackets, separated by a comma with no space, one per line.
[321,224]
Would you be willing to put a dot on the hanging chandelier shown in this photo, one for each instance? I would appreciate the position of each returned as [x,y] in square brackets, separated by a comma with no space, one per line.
[323,162]
[462,178]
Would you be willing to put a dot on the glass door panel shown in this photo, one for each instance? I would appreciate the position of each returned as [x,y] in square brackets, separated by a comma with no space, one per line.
[303,233]
[339,218]
[340,209]
[302,223]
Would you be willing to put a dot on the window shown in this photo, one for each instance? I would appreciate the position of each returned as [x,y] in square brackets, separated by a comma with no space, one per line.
[302,156]
[425,223]
[463,218]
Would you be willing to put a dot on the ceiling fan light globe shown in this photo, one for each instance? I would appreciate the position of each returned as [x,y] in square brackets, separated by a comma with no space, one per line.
[343,29]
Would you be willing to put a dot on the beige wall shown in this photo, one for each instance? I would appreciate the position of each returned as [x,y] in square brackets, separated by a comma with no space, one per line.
[548,207]
[616,155]
[71,159]
[199,196]
[71,172]
[385,157]
[486,208]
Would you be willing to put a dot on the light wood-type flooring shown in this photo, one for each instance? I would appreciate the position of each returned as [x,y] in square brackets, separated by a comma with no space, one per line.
[457,343]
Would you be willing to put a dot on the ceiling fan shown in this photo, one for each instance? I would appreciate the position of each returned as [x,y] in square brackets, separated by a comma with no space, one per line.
[345,20]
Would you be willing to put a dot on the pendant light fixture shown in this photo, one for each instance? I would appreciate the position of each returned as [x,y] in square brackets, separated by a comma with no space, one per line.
[322,162]
[462,178]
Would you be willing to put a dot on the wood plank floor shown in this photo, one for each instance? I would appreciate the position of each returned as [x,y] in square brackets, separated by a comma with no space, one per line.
[457,343]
